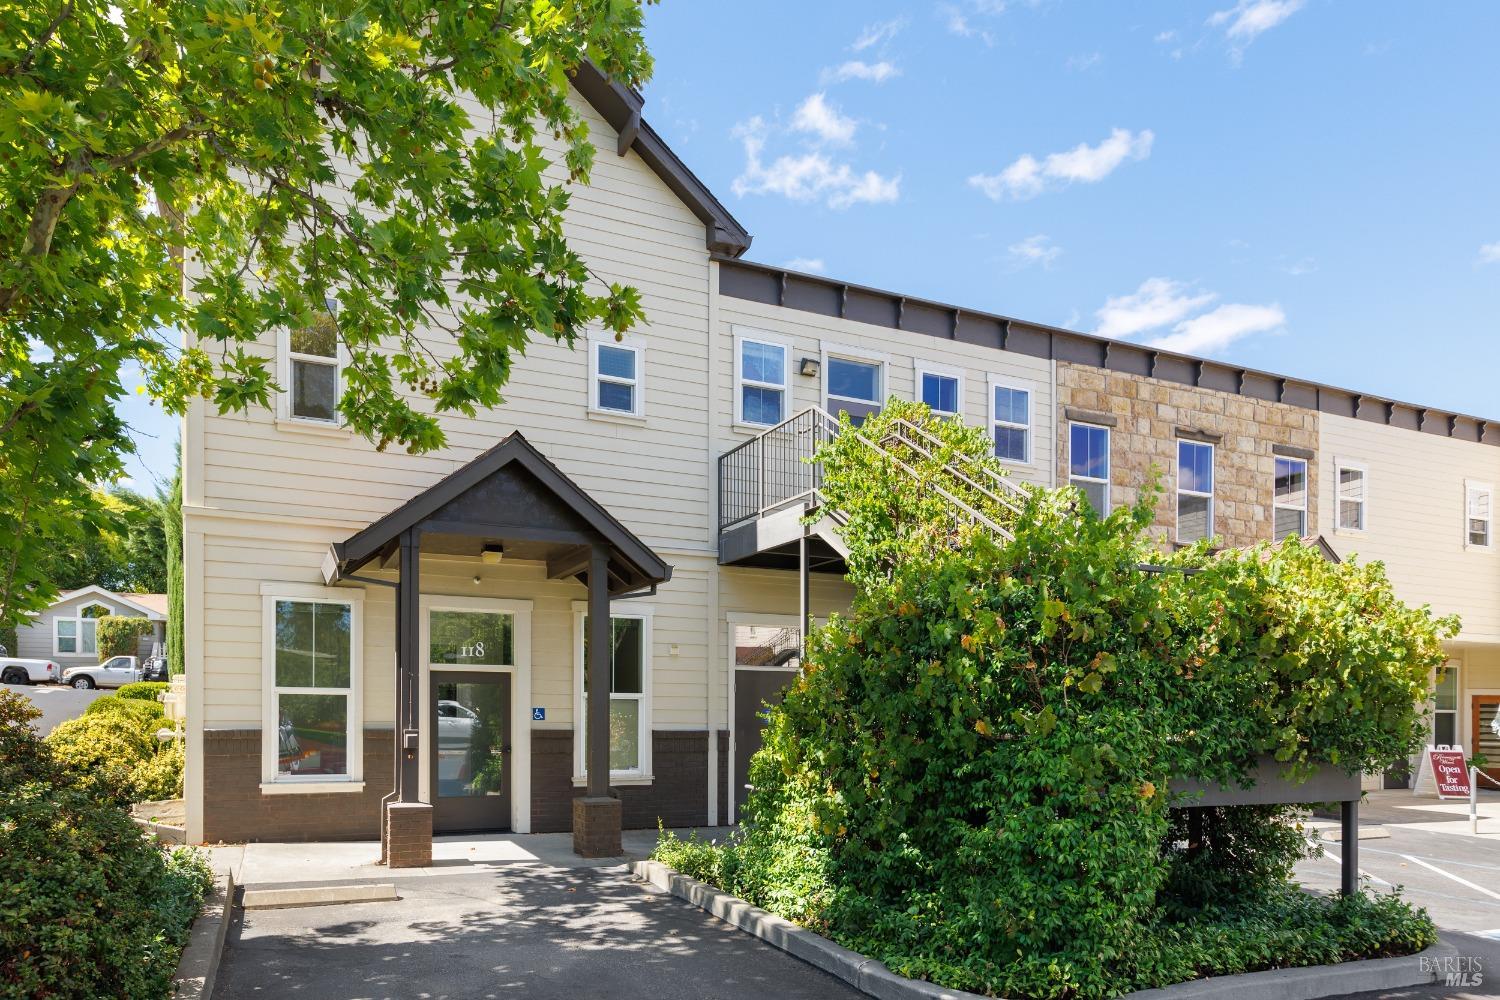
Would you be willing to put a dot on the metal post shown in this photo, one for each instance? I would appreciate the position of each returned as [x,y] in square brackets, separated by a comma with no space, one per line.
[601,645]
[408,634]
[1473,801]
[1349,869]
[804,592]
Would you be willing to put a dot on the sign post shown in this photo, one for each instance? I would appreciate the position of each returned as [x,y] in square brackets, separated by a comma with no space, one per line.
[1450,771]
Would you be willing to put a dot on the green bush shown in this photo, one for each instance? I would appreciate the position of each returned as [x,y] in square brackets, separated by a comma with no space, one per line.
[88,906]
[143,690]
[120,635]
[113,747]
[969,778]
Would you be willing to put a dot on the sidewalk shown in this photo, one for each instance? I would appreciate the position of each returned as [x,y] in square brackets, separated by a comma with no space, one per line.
[1399,807]
[271,864]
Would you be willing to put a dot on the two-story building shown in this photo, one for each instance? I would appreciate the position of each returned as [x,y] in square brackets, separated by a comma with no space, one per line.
[395,645]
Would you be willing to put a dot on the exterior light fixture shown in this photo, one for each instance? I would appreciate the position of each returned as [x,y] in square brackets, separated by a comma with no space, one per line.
[476,579]
[809,367]
[492,553]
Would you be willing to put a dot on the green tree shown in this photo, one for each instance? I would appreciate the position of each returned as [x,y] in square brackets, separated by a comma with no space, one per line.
[171,521]
[396,169]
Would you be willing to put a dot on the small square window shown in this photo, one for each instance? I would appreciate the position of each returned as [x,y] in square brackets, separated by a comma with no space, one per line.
[616,377]
[940,393]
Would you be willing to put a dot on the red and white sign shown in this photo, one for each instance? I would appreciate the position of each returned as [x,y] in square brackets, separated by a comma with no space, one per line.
[1450,769]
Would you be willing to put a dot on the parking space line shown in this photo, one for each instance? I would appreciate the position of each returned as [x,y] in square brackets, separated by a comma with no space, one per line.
[1450,875]
[1363,874]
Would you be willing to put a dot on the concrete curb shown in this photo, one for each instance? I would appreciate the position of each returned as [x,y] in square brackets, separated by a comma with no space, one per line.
[322,895]
[164,832]
[871,976]
[199,965]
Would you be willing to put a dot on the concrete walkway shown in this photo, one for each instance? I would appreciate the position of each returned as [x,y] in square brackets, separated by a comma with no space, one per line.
[505,928]
[263,865]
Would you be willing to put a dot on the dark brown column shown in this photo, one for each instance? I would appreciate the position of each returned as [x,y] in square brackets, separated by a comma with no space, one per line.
[596,815]
[406,826]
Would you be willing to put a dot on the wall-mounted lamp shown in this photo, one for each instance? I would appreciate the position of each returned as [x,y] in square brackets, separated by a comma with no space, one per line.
[809,367]
[476,579]
[492,553]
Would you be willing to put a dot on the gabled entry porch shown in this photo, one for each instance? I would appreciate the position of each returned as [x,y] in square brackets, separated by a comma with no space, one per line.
[509,503]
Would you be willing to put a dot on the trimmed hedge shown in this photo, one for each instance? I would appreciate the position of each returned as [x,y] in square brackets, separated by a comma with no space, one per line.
[88,906]
[120,635]
[113,747]
[143,690]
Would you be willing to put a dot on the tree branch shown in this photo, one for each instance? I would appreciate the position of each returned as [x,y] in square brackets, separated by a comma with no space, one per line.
[41,42]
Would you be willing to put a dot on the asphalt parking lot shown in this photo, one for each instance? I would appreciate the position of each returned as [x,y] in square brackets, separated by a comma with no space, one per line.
[58,704]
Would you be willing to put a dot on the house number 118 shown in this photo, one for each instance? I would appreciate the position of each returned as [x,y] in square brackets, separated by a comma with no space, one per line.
[472,649]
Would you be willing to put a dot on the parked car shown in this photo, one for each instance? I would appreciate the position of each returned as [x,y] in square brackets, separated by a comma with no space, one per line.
[112,673]
[154,668]
[18,671]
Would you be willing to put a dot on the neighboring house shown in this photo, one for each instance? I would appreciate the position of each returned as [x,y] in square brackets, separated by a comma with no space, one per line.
[64,631]
[364,626]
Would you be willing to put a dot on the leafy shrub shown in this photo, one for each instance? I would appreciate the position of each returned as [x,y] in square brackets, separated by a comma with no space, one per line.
[969,778]
[142,690]
[120,635]
[89,908]
[160,777]
[145,713]
[113,746]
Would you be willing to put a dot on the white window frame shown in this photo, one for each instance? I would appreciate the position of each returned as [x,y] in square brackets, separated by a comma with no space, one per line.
[740,382]
[78,620]
[1213,475]
[830,352]
[925,368]
[1472,488]
[1109,461]
[1339,465]
[1306,489]
[997,382]
[273,782]
[636,346]
[1451,668]
[284,358]
[643,774]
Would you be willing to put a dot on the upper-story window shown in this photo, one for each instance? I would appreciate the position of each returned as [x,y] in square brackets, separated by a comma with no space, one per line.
[616,370]
[1290,501]
[1351,482]
[1195,490]
[1088,463]
[1479,515]
[942,391]
[762,376]
[853,385]
[1010,422]
[314,370]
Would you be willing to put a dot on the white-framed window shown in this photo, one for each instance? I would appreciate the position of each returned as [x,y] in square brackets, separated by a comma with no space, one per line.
[942,389]
[853,381]
[1195,490]
[617,376]
[1351,484]
[77,635]
[629,693]
[1289,498]
[312,368]
[312,725]
[762,379]
[1479,515]
[1088,463]
[1445,706]
[1010,422]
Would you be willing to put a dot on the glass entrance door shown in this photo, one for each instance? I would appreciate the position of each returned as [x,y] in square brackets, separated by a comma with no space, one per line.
[471,768]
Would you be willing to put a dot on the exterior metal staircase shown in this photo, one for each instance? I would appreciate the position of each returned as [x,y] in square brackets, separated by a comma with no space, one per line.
[771,503]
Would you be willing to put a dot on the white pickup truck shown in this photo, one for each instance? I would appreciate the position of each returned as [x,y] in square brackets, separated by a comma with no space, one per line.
[14,670]
[112,673]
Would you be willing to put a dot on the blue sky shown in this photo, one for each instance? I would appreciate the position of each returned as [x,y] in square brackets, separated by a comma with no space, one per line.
[1311,188]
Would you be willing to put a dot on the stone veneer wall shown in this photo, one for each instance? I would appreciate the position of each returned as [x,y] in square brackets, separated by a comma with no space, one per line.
[1149,416]
[235,810]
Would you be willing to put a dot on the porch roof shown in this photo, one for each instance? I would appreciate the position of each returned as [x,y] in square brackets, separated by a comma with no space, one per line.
[510,495]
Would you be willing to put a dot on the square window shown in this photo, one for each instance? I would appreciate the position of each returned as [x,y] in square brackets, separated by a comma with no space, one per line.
[312,644]
[617,362]
[940,393]
[763,362]
[312,734]
[761,405]
[315,390]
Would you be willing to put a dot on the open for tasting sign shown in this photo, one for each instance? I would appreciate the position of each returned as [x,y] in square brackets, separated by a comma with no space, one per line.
[1450,770]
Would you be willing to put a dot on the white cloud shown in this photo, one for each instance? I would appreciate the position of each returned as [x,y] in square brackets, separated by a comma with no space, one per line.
[822,119]
[881,31]
[811,176]
[1028,176]
[1156,303]
[1165,37]
[1299,268]
[1084,63]
[1490,253]
[1249,19]
[1038,249]
[1161,303]
[1217,329]
[857,69]
[812,265]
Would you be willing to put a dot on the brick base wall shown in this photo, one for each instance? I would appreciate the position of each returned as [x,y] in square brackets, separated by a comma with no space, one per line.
[235,810]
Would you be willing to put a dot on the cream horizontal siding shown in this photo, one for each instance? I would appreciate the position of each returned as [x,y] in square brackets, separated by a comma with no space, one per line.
[812,335]
[1415,513]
